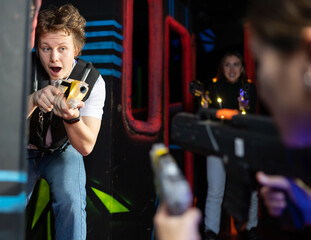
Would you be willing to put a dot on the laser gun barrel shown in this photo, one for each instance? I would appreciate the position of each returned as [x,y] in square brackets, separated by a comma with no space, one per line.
[78,90]
[73,90]
[170,183]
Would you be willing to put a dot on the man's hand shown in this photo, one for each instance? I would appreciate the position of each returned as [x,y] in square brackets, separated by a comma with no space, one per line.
[275,189]
[243,103]
[184,227]
[273,192]
[63,109]
[45,97]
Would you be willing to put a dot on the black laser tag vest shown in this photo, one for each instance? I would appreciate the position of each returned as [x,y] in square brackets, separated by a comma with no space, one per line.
[38,129]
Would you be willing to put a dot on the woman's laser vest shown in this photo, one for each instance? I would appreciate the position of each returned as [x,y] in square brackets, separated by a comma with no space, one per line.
[38,129]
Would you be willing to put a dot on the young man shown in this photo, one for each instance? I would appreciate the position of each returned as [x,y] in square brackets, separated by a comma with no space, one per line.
[60,135]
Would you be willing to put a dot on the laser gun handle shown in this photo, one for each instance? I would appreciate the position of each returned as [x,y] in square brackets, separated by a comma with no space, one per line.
[170,183]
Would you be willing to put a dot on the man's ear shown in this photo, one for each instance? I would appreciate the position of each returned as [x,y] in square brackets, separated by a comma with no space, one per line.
[77,51]
[306,36]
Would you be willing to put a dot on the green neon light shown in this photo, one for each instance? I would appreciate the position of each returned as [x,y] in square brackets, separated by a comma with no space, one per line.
[43,200]
[49,234]
[110,203]
[96,181]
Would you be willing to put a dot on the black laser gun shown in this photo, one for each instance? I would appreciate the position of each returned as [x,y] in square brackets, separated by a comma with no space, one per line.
[170,183]
[246,144]
[197,89]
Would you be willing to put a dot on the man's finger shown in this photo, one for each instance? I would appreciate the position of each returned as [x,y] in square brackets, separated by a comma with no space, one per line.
[54,90]
[42,110]
[277,182]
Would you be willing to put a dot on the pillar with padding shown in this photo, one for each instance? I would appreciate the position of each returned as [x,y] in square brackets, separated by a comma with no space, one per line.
[14,70]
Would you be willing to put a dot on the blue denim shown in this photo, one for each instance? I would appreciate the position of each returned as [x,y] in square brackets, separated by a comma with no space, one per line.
[65,173]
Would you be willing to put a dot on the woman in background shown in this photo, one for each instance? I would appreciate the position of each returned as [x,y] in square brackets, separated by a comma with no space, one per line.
[225,92]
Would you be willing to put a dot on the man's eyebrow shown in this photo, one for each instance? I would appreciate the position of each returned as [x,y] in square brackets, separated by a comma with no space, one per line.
[62,43]
[43,44]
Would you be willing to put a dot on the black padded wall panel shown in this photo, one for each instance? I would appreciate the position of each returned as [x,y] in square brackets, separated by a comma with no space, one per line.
[14,52]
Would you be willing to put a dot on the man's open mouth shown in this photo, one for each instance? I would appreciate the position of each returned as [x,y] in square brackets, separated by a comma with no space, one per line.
[55,70]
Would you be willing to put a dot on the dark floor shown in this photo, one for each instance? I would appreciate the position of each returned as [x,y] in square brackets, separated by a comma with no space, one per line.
[268,229]
[271,234]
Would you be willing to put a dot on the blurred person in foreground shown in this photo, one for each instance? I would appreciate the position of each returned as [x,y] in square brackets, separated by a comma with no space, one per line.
[281,43]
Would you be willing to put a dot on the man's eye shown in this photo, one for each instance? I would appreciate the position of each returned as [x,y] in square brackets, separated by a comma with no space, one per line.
[62,49]
[45,49]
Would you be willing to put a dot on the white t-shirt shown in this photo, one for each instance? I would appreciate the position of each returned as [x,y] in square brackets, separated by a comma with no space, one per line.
[94,104]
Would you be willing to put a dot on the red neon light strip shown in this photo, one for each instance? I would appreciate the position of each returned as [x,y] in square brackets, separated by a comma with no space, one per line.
[172,24]
[248,57]
[153,123]
[186,60]
[166,82]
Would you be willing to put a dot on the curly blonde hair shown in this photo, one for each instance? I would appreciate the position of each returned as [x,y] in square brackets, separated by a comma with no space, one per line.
[65,18]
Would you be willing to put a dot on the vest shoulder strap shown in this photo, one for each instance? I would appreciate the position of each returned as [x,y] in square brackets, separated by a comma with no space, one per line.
[78,72]
[39,76]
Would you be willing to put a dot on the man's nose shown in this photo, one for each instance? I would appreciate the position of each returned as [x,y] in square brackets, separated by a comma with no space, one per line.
[54,56]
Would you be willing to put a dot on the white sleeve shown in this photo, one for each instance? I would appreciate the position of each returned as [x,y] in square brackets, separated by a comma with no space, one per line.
[95,103]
